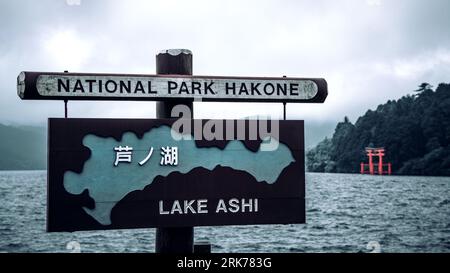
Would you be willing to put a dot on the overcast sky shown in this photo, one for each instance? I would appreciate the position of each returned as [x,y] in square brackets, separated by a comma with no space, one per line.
[369,51]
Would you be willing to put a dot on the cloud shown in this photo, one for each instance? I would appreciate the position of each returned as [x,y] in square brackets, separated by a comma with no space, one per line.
[369,51]
[65,48]
[373,2]
[416,66]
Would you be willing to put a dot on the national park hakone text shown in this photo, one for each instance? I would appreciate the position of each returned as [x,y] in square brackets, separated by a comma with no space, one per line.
[241,88]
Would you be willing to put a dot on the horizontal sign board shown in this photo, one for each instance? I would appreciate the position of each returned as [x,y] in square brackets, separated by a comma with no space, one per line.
[84,86]
[136,173]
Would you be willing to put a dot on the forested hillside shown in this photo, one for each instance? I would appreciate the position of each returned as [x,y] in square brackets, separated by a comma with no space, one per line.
[415,130]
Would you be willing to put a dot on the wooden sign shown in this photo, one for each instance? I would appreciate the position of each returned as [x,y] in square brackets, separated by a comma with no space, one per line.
[136,173]
[85,86]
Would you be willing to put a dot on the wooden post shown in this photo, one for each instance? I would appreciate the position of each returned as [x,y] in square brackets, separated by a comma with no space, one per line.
[174,62]
[370,154]
[202,247]
[380,153]
[380,161]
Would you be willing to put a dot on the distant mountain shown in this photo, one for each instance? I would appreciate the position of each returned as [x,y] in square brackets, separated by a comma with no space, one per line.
[415,130]
[317,131]
[23,148]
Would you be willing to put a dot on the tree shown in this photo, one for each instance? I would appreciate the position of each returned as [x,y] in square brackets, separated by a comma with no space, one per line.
[423,87]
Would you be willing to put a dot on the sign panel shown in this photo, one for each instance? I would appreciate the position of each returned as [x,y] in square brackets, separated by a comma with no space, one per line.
[136,173]
[85,86]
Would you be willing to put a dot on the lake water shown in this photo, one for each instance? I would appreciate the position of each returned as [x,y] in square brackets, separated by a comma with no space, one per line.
[345,213]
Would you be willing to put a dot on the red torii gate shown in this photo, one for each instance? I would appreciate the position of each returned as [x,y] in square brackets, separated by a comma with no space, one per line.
[376,168]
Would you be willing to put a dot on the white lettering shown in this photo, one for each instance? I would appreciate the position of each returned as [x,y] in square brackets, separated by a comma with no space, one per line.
[161,208]
[221,206]
[176,208]
[202,206]
[234,205]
